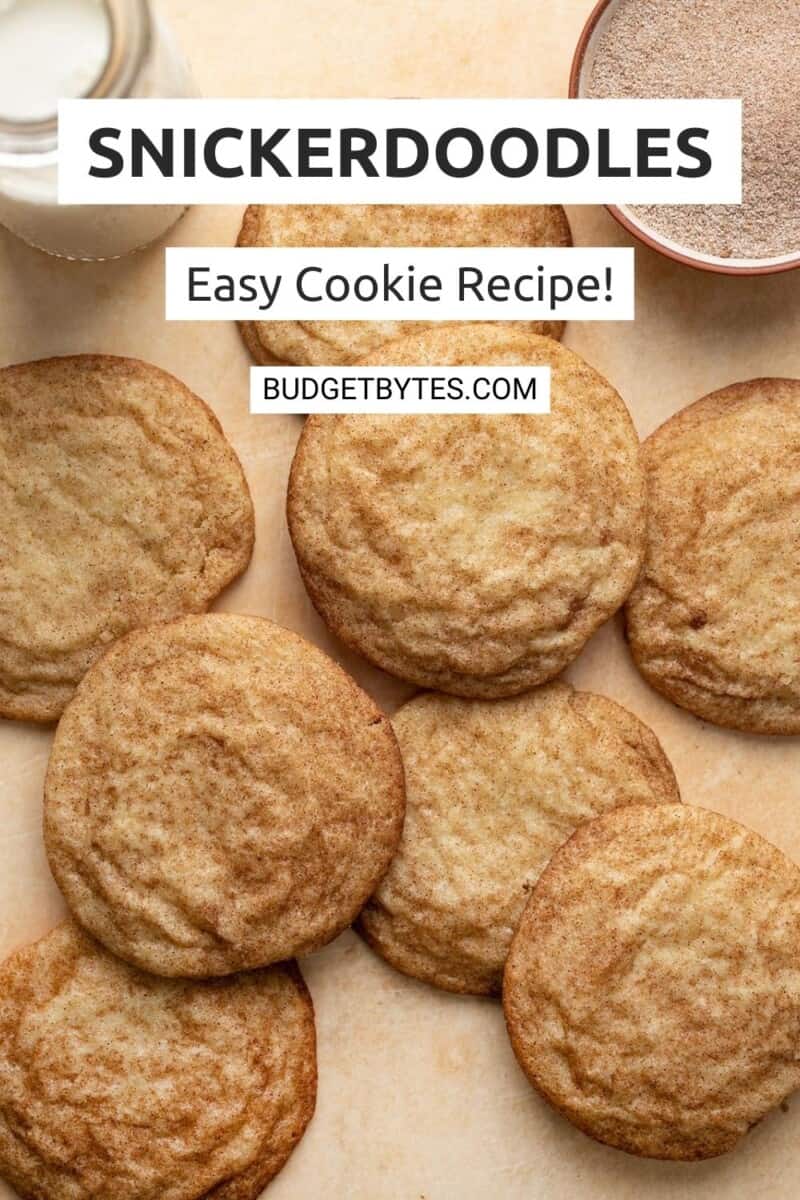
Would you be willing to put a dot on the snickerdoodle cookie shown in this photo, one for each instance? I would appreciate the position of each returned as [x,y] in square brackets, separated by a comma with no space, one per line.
[493,788]
[315,342]
[652,991]
[714,621]
[220,795]
[472,554]
[116,1084]
[121,503]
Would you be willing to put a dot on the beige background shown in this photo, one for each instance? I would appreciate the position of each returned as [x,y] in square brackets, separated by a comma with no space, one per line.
[420,1097]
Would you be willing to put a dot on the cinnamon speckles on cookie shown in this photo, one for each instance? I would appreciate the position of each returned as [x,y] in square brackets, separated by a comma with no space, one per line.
[493,788]
[472,554]
[652,992]
[220,796]
[121,503]
[116,1084]
[337,342]
[714,620]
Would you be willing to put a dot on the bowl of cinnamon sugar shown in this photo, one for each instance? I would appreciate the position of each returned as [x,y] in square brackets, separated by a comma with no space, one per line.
[710,48]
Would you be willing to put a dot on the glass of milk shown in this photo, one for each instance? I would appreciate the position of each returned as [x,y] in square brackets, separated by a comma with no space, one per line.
[51,49]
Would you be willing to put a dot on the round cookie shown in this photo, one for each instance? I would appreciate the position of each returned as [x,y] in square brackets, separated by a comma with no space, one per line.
[652,991]
[220,796]
[714,620]
[493,788]
[342,342]
[472,554]
[121,503]
[114,1083]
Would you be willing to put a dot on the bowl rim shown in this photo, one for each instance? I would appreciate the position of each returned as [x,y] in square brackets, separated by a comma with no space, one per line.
[647,239]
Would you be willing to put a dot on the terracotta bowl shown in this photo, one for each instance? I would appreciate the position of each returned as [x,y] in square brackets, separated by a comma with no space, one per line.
[626,217]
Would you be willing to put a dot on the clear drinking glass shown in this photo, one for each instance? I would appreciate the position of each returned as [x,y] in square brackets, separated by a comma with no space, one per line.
[143,61]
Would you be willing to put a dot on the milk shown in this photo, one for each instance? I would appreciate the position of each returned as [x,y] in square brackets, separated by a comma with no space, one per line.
[50,49]
[53,49]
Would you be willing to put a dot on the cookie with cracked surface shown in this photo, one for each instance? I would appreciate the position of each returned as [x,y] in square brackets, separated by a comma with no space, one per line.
[343,342]
[652,991]
[472,554]
[714,620]
[121,503]
[493,787]
[115,1083]
[220,795]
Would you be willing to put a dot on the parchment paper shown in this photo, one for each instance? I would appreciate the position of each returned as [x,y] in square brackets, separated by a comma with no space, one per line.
[420,1097]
